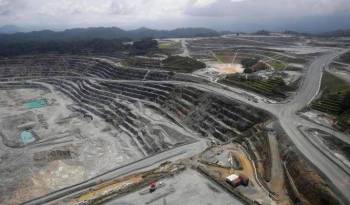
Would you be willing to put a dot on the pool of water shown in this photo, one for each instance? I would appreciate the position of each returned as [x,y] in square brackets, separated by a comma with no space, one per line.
[39,103]
[27,137]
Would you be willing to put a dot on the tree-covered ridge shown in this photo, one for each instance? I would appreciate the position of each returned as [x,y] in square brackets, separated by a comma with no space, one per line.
[105,33]
[79,47]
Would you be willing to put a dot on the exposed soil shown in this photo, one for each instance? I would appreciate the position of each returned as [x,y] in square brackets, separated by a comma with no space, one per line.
[311,187]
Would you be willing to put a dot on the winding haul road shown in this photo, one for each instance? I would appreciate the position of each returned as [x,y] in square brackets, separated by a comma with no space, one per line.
[286,114]
[290,122]
[288,119]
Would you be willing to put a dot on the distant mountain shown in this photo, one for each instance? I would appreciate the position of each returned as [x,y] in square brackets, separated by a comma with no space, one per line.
[296,33]
[105,33]
[176,33]
[337,33]
[67,35]
[9,29]
[262,32]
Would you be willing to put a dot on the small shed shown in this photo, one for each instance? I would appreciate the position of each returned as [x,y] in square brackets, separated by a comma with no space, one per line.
[237,180]
[234,180]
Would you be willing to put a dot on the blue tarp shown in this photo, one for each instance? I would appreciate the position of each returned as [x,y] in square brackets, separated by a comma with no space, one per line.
[27,137]
[39,103]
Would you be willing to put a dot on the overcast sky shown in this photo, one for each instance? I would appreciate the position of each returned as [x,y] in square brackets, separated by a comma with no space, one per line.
[245,15]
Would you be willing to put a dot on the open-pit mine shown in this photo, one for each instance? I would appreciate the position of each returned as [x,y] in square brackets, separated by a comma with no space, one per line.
[79,129]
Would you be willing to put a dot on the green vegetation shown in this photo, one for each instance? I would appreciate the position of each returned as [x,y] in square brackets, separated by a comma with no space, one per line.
[220,57]
[297,60]
[248,70]
[172,63]
[182,64]
[79,34]
[260,66]
[78,47]
[274,88]
[344,120]
[96,46]
[169,45]
[277,55]
[249,62]
[169,48]
[312,187]
[105,41]
[277,64]
[335,99]
[337,145]
[143,46]
[252,65]
[293,68]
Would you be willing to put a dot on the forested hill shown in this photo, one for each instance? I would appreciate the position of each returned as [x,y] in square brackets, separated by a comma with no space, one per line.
[104,33]
[337,33]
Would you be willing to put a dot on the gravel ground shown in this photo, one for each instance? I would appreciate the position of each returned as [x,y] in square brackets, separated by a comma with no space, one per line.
[190,187]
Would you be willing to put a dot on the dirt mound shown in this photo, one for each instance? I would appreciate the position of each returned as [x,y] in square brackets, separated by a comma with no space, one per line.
[228,68]
[309,183]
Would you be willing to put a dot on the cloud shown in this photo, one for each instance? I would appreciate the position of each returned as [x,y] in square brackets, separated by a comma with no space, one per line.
[7,6]
[149,8]
[163,13]
[257,9]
